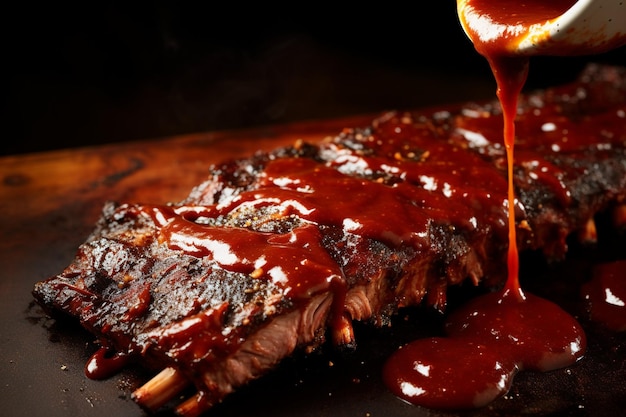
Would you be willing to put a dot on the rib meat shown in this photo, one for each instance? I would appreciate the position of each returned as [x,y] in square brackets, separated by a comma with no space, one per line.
[284,249]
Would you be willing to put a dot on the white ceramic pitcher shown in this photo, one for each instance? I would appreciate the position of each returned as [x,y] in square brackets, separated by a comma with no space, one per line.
[588,27]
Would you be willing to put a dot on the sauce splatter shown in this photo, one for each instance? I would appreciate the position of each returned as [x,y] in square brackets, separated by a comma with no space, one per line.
[605,294]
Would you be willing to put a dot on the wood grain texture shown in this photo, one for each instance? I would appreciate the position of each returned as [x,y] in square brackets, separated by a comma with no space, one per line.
[59,191]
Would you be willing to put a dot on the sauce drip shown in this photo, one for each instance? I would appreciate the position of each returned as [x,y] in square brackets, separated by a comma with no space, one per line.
[105,363]
[606,295]
[495,335]
[510,76]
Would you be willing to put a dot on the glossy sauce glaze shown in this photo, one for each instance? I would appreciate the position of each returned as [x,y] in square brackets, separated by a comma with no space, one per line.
[394,182]
[496,335]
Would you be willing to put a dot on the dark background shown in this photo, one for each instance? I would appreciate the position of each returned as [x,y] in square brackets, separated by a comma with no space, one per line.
[87,74]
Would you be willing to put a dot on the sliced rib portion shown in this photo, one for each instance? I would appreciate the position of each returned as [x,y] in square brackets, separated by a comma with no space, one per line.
[284,249]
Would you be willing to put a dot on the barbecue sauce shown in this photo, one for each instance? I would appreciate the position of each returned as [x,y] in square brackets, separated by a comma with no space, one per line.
[606,295]
[105,363]
[496,335]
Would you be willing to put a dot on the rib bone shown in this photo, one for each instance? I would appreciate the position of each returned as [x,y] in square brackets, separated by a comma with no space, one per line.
[161,389]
